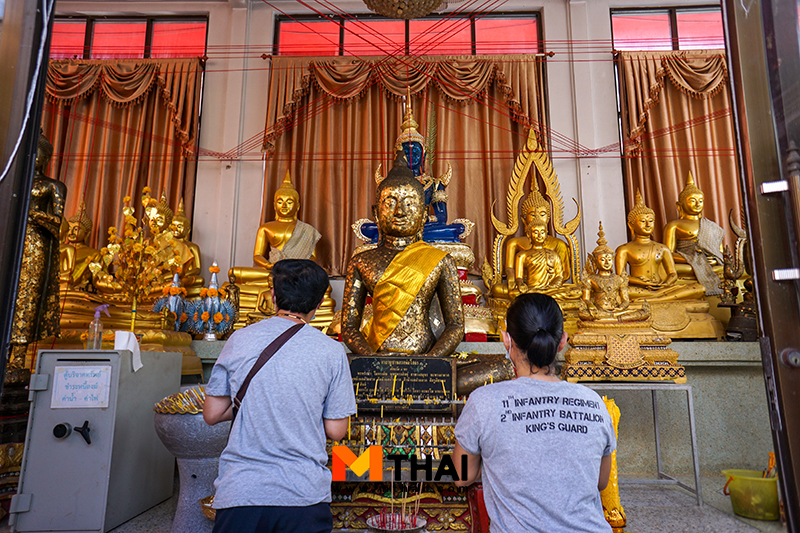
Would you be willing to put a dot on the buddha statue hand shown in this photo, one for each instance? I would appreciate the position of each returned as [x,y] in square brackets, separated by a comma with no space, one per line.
[522,287]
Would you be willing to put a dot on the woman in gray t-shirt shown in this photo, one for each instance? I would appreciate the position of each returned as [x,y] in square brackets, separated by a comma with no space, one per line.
[543,445]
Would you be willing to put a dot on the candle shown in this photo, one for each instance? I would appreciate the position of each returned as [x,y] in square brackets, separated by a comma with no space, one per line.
[375,392]
[357,384]
[401,388]
[394,382]
[444,390]
[348,428]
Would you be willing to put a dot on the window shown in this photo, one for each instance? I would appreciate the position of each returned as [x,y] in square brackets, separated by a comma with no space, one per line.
[667,29]
[127,37]
[370,35]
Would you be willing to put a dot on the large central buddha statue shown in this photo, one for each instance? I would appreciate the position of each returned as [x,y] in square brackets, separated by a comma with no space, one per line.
[695,241]
[404,276]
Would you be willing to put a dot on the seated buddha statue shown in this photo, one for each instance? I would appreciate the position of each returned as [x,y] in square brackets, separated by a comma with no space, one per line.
[286,237]
[436,229]
[605,294]
[191,278]
[695,241]
[652,269]
[536,207]
[538,268]
[403,275]
[76,255]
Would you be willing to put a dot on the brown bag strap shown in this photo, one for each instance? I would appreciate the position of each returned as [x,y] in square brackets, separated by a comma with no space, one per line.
[268,352]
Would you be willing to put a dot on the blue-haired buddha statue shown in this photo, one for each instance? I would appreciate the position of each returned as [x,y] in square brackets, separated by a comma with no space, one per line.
[436,230]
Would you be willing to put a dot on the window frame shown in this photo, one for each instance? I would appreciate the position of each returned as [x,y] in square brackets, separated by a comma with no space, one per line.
[672,12]
[342,20]
[148,19]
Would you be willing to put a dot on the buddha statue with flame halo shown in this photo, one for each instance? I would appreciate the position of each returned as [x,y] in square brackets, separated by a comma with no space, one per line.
[695,241]
[191,277]
[76,254]
[403,275]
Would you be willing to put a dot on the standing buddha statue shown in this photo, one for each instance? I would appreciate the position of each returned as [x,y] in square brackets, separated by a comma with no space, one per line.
[695,240]
[75,271]
[36,308]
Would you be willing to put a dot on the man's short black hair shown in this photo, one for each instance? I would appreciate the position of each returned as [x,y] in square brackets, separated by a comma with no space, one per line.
[299,285]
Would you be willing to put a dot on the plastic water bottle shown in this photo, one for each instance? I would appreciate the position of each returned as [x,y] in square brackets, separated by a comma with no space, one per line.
[94,340]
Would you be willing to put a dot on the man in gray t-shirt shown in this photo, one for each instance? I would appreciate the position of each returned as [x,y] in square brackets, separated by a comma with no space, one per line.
[272,474]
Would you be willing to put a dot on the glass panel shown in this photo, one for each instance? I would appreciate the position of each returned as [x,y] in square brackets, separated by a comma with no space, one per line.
[178,39]
[700,30]
[440,37]
[308,38]
[111,39]
[507,36]
[374,37]
[68,38]
[641,31]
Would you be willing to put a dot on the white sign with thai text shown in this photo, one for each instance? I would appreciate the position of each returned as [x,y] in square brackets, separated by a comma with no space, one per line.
[81,387]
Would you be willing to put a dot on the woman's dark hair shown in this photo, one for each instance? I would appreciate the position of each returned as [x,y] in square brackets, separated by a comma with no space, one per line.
[536,324]
[298,284]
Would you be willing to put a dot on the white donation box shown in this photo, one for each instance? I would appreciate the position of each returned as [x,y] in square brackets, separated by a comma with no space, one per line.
[92,458]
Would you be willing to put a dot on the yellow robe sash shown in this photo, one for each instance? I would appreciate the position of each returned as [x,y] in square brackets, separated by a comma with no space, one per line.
[397,289]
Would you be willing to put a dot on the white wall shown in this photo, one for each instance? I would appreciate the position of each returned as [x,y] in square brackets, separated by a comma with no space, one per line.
[582,100]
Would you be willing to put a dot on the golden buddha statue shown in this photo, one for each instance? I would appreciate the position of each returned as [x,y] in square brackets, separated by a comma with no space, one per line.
[76,255]
[190,276]
[652,269]
[536,207]
[403,274]
[695,241]
[36,309]
[605,294]
[286,237]
[538,268]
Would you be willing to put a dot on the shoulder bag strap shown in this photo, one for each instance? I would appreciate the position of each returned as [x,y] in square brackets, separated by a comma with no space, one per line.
[268,352]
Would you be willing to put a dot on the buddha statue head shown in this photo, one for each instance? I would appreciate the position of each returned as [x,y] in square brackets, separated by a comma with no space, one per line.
[410,141]
[44,151]
[286,200]
[159,216]
[690,200]
[535,207]
[400,202]
[641,219]
[603,255]
[80,226]
[537,232]
[180,225]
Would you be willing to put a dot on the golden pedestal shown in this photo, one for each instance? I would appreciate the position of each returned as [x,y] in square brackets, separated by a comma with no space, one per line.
[621,351]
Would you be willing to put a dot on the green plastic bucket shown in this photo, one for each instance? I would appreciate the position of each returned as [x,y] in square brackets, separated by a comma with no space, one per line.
[752,495]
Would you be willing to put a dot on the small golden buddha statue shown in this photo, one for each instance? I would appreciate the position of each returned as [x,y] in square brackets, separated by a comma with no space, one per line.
[76,254]
[536,207]
[403,274]
[191,277]
[652,269]
[36,309]
[605,294]
[695,241]
[538,268]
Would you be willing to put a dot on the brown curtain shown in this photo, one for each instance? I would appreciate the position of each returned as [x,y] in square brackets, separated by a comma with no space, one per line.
[118,126]
[332,121]
[676,118]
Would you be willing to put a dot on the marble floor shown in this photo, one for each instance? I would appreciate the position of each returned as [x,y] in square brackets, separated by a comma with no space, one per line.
[649,508]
